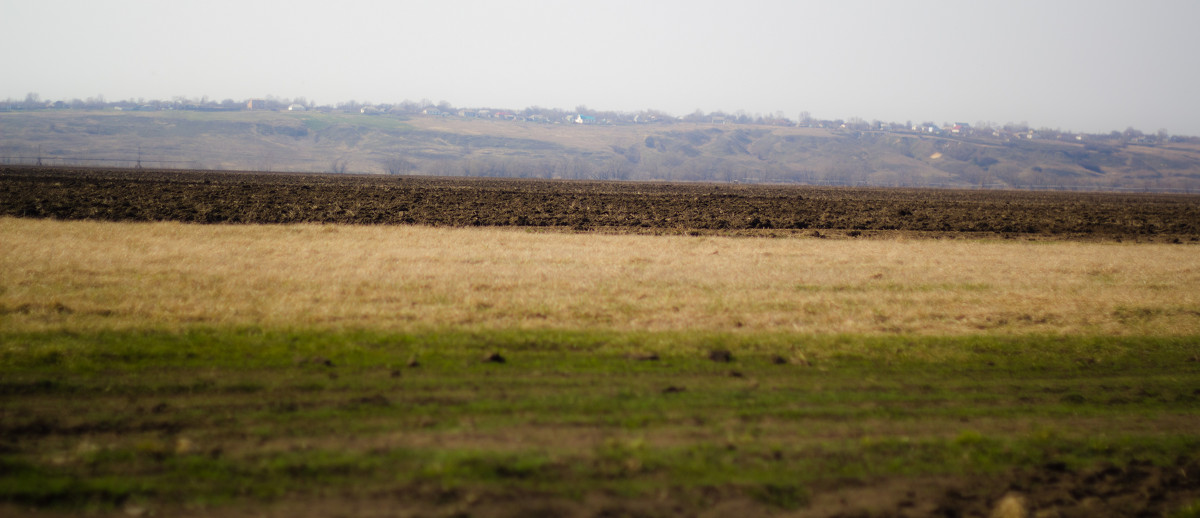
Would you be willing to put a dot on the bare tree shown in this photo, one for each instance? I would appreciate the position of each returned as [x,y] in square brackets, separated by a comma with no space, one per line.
[339,165]
[397,165]
[32,100]
[1132,133]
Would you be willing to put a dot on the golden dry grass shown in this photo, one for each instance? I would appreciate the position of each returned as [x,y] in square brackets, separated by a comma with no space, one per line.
[93,275]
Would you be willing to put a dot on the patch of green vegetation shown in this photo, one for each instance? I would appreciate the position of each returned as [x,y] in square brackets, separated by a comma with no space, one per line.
[112,477]
[208,416]
[584,351]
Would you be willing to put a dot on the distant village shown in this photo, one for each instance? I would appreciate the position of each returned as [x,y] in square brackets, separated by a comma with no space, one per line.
[583,116]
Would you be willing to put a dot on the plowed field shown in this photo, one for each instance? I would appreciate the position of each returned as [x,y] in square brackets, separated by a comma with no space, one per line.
[222,197]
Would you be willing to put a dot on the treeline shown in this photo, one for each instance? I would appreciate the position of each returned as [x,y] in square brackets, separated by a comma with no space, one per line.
[876,159]
[704,169]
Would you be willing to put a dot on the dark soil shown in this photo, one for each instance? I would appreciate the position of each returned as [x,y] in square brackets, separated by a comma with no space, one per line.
[626,207]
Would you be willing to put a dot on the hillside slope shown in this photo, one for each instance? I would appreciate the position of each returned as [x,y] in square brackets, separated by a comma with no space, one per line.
[452,146]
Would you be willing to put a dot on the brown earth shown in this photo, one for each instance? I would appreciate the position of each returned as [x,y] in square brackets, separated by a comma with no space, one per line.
[626,207]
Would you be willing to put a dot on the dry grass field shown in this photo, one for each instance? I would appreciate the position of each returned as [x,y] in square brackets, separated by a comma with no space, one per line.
[94,275]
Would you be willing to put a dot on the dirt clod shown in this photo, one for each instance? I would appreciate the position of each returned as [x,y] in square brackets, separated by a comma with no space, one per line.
[319,361]
[721,355]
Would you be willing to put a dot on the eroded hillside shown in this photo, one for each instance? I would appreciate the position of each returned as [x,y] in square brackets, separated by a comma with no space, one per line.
[456,146]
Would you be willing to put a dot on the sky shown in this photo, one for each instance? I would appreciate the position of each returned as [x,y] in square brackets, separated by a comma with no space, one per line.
[1074,65]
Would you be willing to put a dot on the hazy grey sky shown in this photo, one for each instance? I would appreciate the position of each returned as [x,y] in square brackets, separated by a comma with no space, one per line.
[1080,65]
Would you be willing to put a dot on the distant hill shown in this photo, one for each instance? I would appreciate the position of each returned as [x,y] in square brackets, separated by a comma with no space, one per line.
[673,151]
